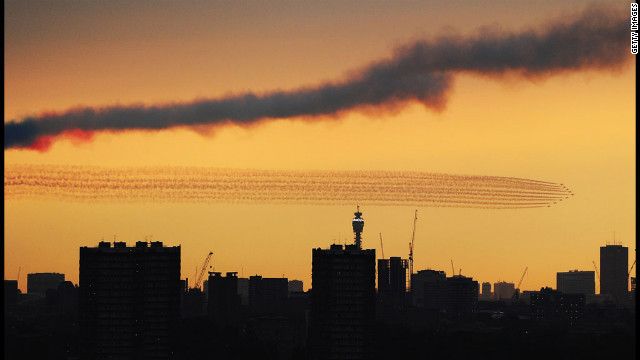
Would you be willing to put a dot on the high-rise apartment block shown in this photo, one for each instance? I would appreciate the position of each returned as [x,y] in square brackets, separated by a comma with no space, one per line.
[224,301]
[577,282]
[392,280]
[343,299]
[129,300]
[614,262]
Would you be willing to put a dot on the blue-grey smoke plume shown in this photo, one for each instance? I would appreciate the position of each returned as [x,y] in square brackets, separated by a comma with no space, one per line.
[421,71]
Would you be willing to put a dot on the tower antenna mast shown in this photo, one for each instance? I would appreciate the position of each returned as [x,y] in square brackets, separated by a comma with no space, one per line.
[358,226]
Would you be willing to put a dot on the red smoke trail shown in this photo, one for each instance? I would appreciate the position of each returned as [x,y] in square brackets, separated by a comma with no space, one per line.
[42,144]
[76,136]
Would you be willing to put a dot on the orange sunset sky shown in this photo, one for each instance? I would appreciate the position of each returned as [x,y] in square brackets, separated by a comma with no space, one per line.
[576,128]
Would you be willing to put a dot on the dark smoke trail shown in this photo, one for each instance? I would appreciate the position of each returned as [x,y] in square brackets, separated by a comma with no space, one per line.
[420,72]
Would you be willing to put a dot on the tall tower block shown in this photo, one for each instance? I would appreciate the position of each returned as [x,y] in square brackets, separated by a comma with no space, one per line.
[358,227]
[614,262]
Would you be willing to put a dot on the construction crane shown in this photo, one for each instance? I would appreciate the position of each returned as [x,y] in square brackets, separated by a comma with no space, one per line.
[522,277]
[413,238]
[516,292]
[381,246]
[204,267]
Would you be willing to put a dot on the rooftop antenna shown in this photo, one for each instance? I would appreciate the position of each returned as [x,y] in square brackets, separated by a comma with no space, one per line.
[358,226]
[381,246]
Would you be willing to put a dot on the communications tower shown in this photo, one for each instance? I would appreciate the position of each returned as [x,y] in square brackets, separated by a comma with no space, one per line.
[358,226]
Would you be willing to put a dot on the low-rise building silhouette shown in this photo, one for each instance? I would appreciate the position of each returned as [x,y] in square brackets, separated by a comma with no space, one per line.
[576,282]
[10,294]
[39,283]
[268,295]
[296,286]
[555,306]
[486,291]
[243,291]
[461,295]
[503,290]
[426,289]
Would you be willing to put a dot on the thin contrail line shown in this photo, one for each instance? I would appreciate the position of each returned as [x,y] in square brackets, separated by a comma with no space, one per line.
[207,185]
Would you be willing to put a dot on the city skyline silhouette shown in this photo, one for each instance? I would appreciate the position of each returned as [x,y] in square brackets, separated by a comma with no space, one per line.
[131,303]
[253,131]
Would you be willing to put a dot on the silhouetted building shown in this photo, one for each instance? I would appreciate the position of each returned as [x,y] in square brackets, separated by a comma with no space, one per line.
[577,282]
[555,306]
[461,295]
[10,294]
[193,303]
[614,261]
[392,281]
[268,295]
[503,290]
[525,297]
[67,298]
[39,283]
[224,301]
[486,291]
[343,300]
[129,300]
[243,291]
[280,334]
[427,289]
[296,286]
